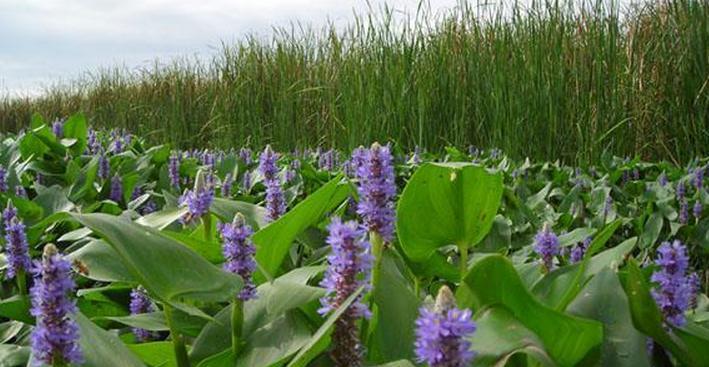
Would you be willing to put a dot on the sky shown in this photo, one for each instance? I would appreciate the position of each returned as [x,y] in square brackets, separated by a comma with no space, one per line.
[45,42]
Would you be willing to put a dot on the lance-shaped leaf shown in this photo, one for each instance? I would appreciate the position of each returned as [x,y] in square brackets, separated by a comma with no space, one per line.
[567,339]
[171,272]
[444,204]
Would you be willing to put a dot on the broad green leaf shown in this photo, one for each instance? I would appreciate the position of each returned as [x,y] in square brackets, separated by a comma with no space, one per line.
[168,270]
[397,310]
[14,355]
[155,321]
[75,127]
[102,262]
[566,338]
[603,300]
[274,299]
[102,348]
[155,354]
[273,241]
[17,308]
[226,209]
[559,287]
[318,340]
[444,204]
[163,218]
[399,363]
[652,230]
[500,336]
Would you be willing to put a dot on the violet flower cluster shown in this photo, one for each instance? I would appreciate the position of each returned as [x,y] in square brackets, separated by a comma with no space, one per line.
[104,167]
[246,156]
[377,189]
[197,202]
[116,193]
[16,246]
[55,338]
[327,161]
[442,334]
[546,245]
[663,180]
[350,265]
[698,178]
[227,185]
[173,170]
[239,253]
[58,128]
[676,289]
[579,250]
[275,200]
[140,303]
[93,145]
[3,179]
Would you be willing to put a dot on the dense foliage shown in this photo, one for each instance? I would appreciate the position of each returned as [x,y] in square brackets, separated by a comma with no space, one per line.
[148,256]
[570,78]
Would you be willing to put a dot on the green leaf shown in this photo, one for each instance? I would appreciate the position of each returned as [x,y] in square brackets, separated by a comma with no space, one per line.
[686,346]
[102,262]
[566,338]
[155,321]
[273,241]
[102,348]
[604,300]
[156,354]
[13,355]
[17,308]
[75,128]
[397,310]
[226,209]
[500,336]
[318,340]
[163,218]
[286,293]
[558,288]
[652,230]
[444,204]
[171,272]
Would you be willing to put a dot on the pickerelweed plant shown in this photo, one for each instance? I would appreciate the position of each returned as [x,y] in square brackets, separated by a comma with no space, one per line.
[346,275]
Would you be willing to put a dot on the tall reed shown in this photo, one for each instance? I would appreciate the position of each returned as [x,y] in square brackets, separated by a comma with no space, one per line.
[556,80]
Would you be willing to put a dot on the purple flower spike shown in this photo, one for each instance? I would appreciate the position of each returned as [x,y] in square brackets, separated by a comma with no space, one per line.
[676,290]
[55,337]
[579,250]
[198,200]
[377,189]
[3,179]
[227,185]
[239,254]
[683,211]
[58,128]
[140,303]
[92,142]
[275,201]
[246,181]
[20,192]
[681,190]
[116,189]
[698,178]
[16,247]
[350,264]
[442,333]
[546,245]
[246,156]
[697,209]
[173,170]
[663,180]
[104,167]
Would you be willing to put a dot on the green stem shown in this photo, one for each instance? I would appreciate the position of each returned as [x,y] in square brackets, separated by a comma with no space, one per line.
[58,361]
[178,342]
[237,326]
[377,243]
[207,224]
[463,249]
[22,282]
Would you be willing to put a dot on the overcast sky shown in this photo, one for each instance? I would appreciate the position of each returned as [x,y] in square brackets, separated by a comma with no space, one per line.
[48,41]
